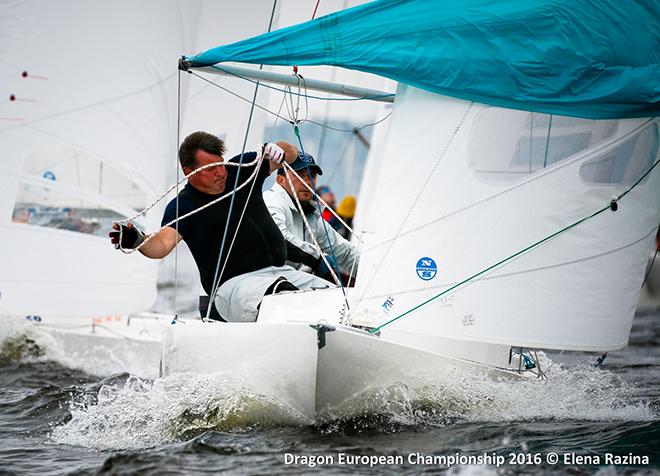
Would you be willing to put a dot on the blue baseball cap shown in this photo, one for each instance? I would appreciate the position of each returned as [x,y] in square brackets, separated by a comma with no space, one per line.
[304,161]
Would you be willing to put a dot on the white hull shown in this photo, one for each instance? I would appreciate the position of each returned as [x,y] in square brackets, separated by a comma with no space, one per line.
[283,361]
[355,369]
[98,346]
[275,361]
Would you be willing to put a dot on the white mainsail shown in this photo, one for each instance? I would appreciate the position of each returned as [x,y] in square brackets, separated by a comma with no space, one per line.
[461,186]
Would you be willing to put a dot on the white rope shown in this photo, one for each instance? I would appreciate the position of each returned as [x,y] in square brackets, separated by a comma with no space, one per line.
[304,218]
[179,182]
[288,167]
[240,220]
[197,210]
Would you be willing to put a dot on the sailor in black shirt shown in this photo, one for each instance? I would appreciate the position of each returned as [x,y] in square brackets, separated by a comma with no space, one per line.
[255,260]
[259,242]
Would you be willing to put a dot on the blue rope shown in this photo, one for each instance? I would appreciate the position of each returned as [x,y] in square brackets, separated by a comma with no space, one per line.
[325,225]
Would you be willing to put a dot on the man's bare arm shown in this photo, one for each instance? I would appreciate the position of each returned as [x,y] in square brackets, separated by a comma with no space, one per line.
[161,244]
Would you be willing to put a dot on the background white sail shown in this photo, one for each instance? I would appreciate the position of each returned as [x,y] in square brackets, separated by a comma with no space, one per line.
[91,136]
[87,138]
[467,185]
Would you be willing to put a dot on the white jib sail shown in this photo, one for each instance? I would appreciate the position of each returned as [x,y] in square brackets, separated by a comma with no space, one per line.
[462,186]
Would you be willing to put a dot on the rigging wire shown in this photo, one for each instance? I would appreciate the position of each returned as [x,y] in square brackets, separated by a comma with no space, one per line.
[176,155]
[296,131]
[213,202]
[315,242]
[240,220]
[216,278]
[322,202]
[609,206]
[316,8]
[197,210]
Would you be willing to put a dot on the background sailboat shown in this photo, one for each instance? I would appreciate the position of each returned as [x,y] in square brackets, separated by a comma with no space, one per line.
[89,142]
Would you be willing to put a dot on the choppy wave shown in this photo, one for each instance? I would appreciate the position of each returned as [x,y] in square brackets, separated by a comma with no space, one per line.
[129,413]
[581,393]
[138,414]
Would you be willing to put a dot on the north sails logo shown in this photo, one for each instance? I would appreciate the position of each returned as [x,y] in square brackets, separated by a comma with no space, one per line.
[426,268]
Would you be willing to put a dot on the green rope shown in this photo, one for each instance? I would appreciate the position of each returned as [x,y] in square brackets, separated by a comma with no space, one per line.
[563,230]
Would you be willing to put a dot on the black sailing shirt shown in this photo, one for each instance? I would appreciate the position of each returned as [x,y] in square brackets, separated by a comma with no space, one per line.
[259,242]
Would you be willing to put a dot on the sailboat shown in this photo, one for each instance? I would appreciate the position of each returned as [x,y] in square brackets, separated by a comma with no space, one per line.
[509,205]
[85,143]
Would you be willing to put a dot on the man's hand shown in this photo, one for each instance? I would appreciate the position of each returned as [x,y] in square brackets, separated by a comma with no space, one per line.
[126,236]
[272,152]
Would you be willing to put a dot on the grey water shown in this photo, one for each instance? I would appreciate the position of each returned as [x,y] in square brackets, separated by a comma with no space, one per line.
[54,420]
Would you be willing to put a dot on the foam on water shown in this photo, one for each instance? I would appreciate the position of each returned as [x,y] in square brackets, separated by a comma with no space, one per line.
[579,393]
[17,342]
[139,413]
[472,470]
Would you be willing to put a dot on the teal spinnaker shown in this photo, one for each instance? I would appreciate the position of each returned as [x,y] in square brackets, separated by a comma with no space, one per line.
[586,58]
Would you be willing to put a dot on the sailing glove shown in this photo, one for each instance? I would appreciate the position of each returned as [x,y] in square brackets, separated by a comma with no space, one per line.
[270,151]
[125,236]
